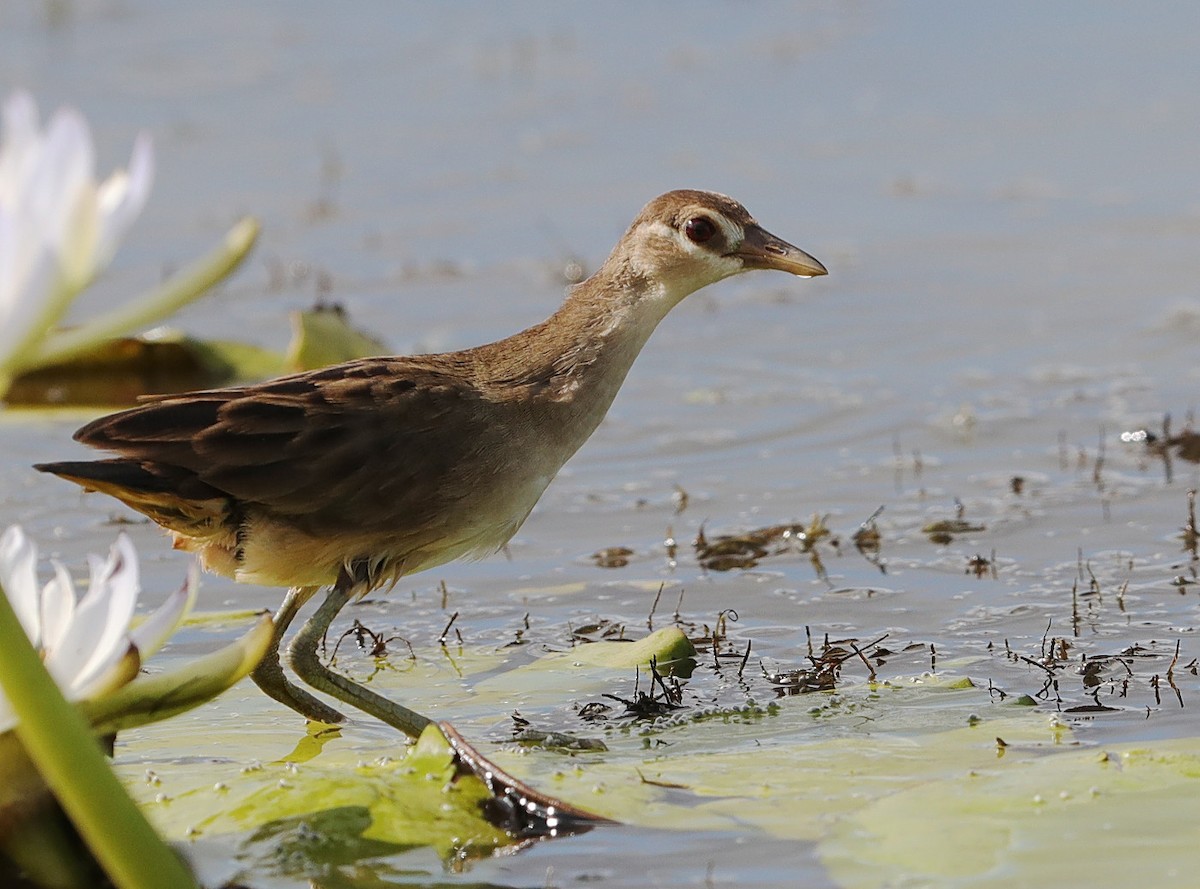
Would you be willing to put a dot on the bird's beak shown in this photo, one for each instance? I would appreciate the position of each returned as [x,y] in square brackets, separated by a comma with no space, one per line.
[762,250]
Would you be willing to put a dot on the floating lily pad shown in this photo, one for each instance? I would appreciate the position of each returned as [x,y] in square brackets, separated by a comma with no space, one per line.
[667,648]
[117,371]
[586,670]
[1078,818]
[299,818]
[792,772]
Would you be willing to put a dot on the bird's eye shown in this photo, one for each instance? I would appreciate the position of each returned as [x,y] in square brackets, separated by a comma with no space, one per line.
[699,229]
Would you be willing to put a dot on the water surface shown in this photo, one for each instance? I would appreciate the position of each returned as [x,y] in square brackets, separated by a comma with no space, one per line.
[1005,197]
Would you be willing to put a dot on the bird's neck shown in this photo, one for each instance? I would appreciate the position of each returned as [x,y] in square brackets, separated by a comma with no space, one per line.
[574,362]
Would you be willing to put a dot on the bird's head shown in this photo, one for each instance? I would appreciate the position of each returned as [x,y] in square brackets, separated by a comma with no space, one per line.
[684,240]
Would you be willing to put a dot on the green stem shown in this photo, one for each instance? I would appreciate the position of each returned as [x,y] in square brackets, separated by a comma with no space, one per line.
[176,292]
[65,752]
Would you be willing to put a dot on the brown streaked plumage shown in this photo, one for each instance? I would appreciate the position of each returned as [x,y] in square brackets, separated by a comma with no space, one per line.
[356,475]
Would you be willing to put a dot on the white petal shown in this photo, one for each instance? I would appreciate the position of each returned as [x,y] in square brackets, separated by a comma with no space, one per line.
[57,607]
[10,275]
[95,568]
[9,300]
[122,197]
[118,669]
[61,194]
[154,631]
[99,633]
[28,270]
[18,576]
[65,165]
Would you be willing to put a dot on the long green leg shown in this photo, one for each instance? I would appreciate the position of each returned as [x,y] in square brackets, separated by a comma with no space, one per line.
[302,654]
[269,676]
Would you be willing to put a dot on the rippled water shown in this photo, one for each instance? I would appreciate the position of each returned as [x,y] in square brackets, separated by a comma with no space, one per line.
[1005,197]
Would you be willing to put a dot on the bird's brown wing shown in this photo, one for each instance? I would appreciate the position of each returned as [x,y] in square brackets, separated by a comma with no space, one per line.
[359,444]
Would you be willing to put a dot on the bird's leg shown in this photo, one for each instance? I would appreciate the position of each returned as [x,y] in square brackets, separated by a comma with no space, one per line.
[302,654]
[268,675]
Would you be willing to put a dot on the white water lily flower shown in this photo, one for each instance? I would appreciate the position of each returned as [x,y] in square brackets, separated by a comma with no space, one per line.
[58,227]
[85,643]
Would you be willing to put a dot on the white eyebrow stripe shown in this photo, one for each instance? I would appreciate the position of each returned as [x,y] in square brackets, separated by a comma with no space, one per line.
[661,228]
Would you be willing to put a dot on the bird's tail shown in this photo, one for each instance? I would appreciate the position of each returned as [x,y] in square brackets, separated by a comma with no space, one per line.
[172,497]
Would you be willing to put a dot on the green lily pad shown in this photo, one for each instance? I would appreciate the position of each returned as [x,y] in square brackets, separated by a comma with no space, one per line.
[301,817]
[1080,818]
[789,771]
[885,777]
[905,783]
[584,671]
[117,371]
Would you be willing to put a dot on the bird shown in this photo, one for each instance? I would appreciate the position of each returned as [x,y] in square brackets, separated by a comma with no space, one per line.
[350,477]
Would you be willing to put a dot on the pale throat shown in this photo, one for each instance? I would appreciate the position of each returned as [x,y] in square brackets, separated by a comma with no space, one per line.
[607,344]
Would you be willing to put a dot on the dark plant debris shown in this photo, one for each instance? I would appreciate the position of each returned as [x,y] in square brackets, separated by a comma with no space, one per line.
[371,643]
[599,630]
[728,551]
[594,711]
[982,566]
[825,666]
[612,557]
[1165,445]
[664,696]
[867,538]
[944,531]
[1107,682]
